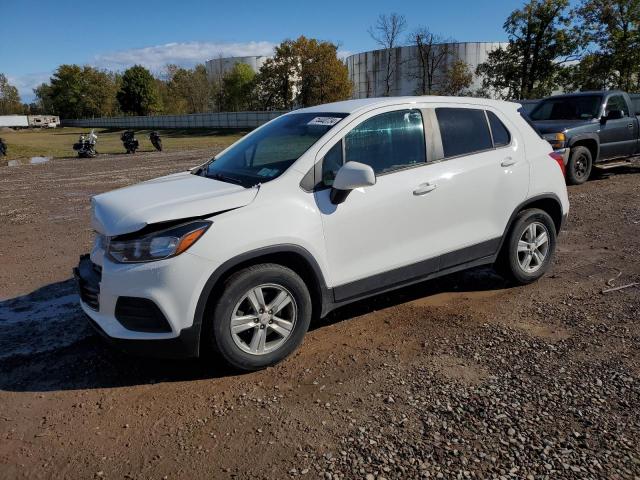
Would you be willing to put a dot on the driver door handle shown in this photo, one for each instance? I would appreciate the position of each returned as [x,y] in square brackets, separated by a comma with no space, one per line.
[425,188]
[507,162]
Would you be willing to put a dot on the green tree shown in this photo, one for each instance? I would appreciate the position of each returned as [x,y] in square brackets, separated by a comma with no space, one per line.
[541,38]
[237,88]
[276,80]
[138,92]
[613,27]
[303,72]
[322,76]
[77,92]
[9,98]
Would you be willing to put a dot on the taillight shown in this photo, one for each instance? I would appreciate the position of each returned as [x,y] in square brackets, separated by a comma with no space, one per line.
[558,158]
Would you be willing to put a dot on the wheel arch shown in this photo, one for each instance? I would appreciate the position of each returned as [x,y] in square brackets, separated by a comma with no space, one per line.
[589,141]
[548,202]
[292,256]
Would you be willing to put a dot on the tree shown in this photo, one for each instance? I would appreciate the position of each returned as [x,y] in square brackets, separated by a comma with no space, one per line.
[238,85]
[386,32]
[303,72]
[323,77]
[77,92]
[432,55]
[138,93]
[9,98]
[540,40]
[612,26]
[276,80]
[457,79]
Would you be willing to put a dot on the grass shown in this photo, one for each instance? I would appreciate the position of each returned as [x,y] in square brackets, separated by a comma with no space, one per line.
[58,142]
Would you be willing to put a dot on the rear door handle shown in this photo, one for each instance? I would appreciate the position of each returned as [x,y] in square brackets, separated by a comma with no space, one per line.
[424,189]
[630,125]
[507,162]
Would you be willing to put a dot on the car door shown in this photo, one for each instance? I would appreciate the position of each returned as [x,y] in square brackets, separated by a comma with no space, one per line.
[617,136]
[380,229]
[482,176]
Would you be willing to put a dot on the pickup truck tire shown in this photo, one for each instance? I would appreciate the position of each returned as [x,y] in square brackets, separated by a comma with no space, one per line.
[261,316]
[529,247]
[579,166]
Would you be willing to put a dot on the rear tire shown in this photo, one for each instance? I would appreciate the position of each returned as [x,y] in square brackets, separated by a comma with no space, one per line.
[579,166]
[529,247]
[253,331]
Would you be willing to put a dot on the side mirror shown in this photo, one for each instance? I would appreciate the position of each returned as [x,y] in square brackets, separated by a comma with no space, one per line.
[614,115]
[350,176]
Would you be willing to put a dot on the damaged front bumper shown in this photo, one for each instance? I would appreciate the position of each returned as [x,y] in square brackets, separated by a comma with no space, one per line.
[145,309]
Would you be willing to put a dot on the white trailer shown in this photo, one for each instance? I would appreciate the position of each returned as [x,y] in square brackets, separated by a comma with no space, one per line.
[44,121]
[14,121]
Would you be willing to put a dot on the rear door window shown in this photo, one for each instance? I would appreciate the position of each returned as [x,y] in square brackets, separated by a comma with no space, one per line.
[463,130]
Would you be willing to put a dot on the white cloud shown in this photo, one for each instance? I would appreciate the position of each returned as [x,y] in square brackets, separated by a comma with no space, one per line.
[184,54]
[27,82]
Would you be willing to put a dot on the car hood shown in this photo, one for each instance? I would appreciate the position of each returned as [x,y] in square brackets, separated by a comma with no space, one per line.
[557,126]
[182,195]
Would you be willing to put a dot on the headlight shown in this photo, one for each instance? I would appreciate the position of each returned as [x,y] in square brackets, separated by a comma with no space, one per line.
[557,140]
[157,245]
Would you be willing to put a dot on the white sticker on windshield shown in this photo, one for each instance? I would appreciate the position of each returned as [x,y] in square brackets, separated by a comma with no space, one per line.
[326,121]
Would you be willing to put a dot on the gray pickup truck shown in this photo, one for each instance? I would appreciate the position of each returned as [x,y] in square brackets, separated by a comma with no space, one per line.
[589,128]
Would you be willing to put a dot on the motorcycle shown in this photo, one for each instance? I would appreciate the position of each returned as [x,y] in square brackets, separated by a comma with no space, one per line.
[129,141]
[156,140]
[86,145]
[3,148]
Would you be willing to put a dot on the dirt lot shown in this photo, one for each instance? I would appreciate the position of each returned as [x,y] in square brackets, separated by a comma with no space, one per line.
[462,377]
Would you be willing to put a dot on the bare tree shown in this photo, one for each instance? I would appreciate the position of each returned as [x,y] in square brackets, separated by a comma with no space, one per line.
[433,56]
[386,33]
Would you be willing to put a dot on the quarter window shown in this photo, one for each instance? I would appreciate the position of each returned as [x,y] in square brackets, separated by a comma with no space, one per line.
[463,131]
[331,163]
[388,141]
[499,132]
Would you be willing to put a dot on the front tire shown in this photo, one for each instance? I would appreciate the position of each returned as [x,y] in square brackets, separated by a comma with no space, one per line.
[579,166]
[528,249]
[261,316]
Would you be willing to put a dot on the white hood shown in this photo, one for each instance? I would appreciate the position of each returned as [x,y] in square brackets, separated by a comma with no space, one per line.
[173,197]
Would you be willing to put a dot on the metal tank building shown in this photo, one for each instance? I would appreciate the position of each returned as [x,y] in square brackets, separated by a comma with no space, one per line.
[367,70]
[217,67]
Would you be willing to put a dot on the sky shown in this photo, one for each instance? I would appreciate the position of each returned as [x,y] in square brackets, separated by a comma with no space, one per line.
[36,36]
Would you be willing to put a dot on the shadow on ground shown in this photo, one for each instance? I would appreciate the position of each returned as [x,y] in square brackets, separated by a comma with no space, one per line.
[47,345]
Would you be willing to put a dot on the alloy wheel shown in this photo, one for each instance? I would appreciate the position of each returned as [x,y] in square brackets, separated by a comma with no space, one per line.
[533,247]
[263,319]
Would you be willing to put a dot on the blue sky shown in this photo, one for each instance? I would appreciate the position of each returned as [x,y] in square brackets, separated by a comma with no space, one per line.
[36,36]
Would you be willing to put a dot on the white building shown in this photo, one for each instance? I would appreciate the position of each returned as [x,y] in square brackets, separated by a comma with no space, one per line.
[368,70]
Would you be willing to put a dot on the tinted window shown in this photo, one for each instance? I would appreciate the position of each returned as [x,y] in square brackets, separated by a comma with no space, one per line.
[501,135]
[616,103]
[331,163]
[388,141]
[580,107]
[463,131]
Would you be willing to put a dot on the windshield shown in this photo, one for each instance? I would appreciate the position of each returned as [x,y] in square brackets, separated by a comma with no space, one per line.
[266,154]
[582,107]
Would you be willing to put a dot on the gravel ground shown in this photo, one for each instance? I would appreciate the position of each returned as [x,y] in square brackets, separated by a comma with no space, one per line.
[463,377]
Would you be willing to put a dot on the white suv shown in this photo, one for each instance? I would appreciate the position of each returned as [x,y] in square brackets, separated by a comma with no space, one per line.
[318,208]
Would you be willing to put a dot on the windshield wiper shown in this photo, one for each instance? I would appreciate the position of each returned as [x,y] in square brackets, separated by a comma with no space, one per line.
[225,178]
